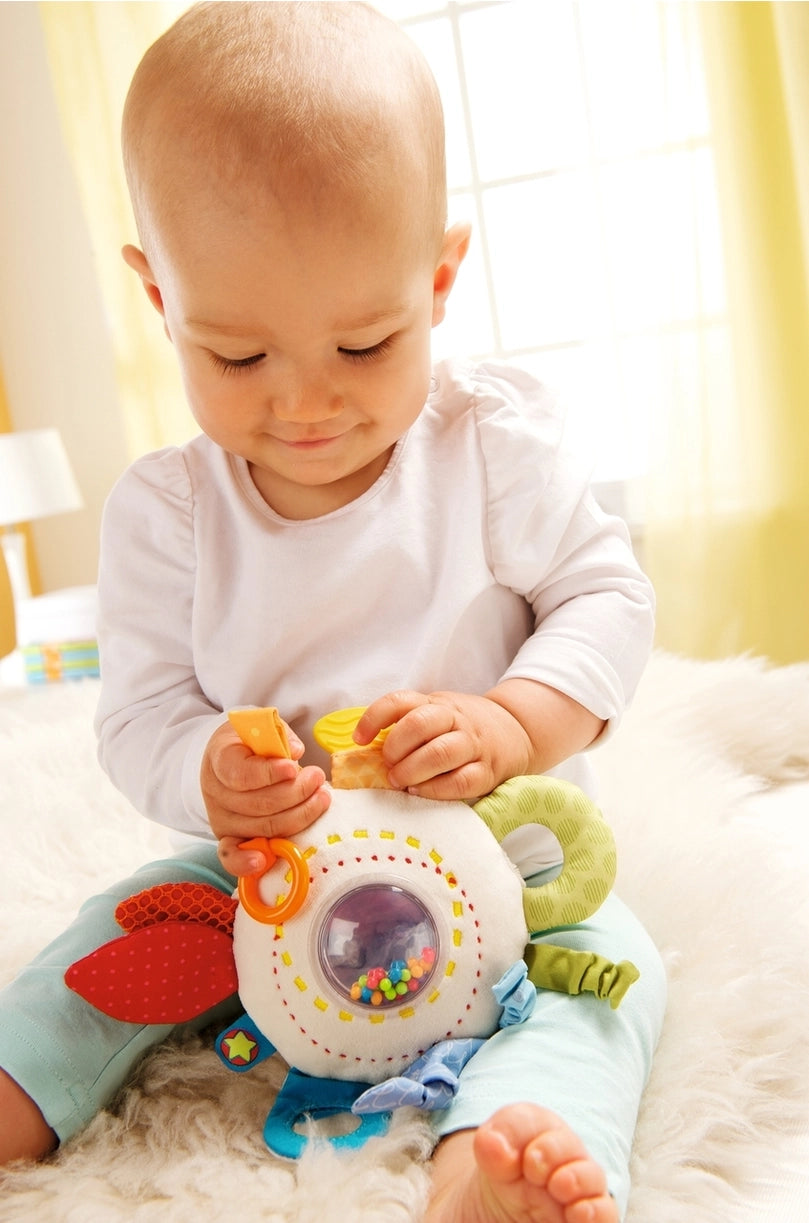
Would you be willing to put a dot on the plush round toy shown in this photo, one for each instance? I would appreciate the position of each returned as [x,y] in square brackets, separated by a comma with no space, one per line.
[392,926]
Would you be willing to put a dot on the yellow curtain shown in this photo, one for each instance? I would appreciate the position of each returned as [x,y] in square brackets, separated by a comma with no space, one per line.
[93,50]
[7,626]
[7,636]
[728,505]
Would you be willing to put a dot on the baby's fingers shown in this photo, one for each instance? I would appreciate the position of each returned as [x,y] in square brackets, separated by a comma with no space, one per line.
[414,762]
[470,781]
[237,768]
[240,861]
[233,830]
[384,711]
[282,807]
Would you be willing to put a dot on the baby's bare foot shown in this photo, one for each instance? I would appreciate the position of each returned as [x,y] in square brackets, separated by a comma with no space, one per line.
[524,1165]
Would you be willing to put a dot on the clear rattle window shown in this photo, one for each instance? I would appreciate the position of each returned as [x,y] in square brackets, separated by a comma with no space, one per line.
[378,945]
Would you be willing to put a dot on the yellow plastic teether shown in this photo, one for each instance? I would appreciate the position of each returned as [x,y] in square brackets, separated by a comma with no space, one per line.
[261,730]
[334,732]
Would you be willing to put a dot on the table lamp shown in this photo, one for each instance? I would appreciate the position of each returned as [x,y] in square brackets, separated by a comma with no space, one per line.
[36,481]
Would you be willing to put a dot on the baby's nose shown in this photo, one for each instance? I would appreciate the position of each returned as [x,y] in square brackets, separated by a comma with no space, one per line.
[304,400]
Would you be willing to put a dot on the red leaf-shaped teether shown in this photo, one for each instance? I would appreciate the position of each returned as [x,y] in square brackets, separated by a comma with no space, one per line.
[168,973]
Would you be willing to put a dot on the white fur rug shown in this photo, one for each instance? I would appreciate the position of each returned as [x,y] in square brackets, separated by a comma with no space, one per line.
[727,907]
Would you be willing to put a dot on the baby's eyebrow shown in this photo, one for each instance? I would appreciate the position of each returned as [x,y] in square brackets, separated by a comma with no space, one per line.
[373,319]
[218,328]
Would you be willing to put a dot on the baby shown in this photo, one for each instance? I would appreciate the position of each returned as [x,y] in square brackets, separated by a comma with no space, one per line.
[351,527]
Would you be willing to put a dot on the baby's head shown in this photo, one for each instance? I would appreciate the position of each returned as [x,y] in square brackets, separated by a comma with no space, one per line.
[286,166]
[327,107]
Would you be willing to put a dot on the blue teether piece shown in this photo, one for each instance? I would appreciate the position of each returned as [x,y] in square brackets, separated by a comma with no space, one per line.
[303,1096]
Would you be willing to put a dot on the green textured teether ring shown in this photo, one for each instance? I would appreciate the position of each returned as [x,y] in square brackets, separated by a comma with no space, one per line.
[588,846]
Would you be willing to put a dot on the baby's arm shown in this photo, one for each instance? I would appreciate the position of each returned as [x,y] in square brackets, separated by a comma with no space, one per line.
[256,796]
[452,745]
[593,609]
[163,739]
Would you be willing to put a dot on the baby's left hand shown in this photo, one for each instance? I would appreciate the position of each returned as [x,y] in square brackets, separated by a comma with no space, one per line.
[446,745]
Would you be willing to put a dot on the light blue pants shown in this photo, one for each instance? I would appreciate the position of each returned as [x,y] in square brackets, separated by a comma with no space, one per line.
[574,1055]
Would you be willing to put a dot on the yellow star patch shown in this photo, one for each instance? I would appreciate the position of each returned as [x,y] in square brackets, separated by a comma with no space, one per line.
[240,1046]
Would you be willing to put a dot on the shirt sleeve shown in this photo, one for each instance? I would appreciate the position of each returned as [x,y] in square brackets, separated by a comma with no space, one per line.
[550,542]
[153,719]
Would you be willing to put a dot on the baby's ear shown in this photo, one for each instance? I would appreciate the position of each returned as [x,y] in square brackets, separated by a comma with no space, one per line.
[136,259]
[453,251]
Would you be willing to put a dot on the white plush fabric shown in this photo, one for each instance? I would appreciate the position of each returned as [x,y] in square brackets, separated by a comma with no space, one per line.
[719,880]
[348,848]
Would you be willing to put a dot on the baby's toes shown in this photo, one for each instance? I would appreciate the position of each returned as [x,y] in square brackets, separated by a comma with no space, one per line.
[580,1179]
[558,1161]
[503,1142]
[593,1210]
[552,1152]
[579,1182]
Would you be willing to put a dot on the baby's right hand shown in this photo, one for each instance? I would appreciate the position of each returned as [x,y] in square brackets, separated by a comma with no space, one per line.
[256,796]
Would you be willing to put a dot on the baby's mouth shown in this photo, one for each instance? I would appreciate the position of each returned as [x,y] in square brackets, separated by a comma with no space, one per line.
[313,441]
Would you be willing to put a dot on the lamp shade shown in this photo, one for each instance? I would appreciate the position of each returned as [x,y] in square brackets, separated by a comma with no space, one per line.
[36,479]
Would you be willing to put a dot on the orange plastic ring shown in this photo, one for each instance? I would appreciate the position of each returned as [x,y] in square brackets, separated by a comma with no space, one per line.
[274,848]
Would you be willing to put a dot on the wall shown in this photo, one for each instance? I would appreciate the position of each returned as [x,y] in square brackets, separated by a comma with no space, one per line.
[54,344]
[6,604]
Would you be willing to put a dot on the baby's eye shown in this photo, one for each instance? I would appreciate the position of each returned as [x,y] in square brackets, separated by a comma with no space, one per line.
[367,354]
[229,366]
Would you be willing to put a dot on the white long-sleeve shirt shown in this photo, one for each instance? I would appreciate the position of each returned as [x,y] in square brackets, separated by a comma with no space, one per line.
[479,554]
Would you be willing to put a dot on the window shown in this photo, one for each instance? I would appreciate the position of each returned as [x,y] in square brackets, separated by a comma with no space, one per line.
[579,146]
